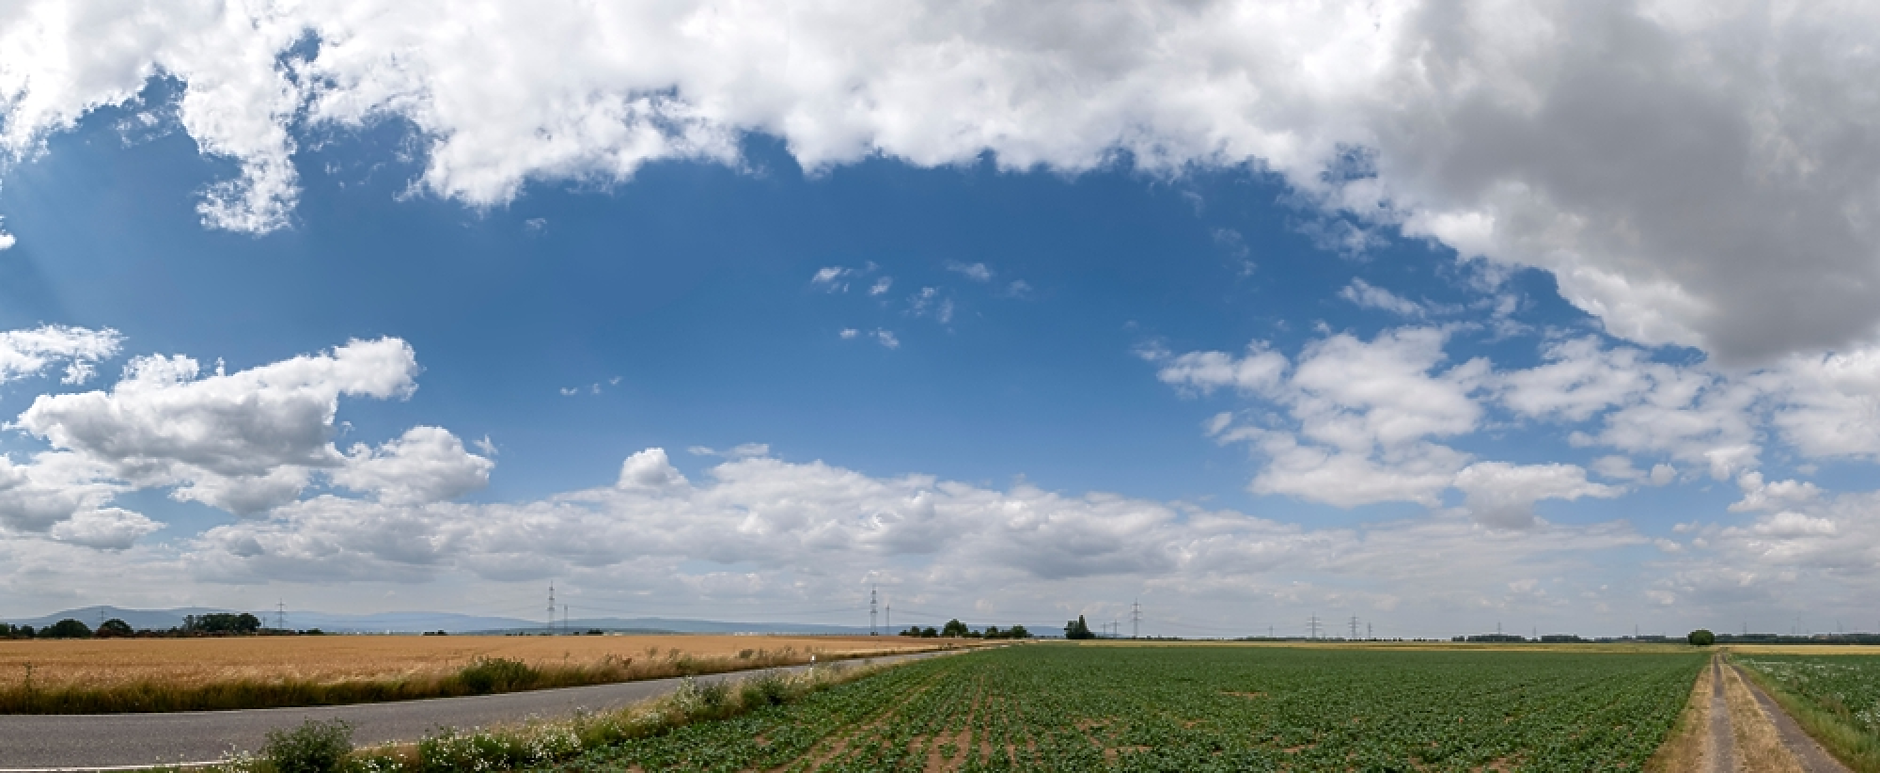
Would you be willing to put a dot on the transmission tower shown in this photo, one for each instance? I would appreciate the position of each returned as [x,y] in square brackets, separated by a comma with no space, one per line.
[564,617]
[890,611]
[1367,631]
[871,613]
[1312,627]
[1354,626]
[1135,620]
[280,615]
[551,607]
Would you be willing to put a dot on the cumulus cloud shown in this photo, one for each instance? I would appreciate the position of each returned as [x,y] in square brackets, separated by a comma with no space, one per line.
[244,442]
[1690,173]
[240,441]
[1503,495]
[427,464]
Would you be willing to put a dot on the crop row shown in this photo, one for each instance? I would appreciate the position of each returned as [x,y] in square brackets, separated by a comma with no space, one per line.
[1061,708]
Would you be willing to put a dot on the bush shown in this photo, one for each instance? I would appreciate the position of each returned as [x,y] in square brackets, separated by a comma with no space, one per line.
[487,675]
[314,747]
[766,690]
[113,628]
[1701,638]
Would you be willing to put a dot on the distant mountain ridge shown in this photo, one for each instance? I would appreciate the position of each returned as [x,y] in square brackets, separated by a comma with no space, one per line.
[417,622]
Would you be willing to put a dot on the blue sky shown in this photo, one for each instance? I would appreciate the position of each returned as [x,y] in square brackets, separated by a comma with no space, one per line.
[701,343]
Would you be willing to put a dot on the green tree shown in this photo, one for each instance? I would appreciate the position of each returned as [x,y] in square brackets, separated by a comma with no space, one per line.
[113,628]
[221,622]
[1701,638]
[953,629]
[66,629]
[929,632]
[1078,629]
[992,632]
[1017,632]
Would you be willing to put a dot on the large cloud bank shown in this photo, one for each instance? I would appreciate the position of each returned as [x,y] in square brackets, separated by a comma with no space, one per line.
[1698,173]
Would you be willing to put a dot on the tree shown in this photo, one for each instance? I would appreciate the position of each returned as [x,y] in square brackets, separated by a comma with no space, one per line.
[1701,638]
[66,629]
[112,628]
[953,629]
[929,632]
[1017,632]
[992,632]
[221,622]
[1078,629]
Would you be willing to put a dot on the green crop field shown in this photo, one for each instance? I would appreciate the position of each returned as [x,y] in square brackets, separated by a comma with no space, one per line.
[1836,698]
[1067,708]
[1848,685]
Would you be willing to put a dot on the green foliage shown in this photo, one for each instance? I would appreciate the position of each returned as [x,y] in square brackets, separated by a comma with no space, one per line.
[1701,638]
[954,629]
[1078,629]
[66,629]
[314,747]
[113,628]
[488,675]
[221,623]
[1052,708]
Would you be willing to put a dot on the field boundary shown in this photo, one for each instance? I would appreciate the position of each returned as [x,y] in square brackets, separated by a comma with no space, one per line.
[1846,745]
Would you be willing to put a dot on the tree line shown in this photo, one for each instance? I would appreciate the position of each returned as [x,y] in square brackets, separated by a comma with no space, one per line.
[211,624]
[954,629]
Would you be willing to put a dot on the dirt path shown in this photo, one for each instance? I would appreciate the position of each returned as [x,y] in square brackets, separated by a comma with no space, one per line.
[1808,755]
[1747,732]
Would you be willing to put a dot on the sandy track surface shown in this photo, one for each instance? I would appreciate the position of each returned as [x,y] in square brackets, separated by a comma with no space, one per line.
[93,741]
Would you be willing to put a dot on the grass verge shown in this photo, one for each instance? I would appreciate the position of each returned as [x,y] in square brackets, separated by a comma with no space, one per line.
[1684,749]
[1836,731]
[479,677]
[312,748]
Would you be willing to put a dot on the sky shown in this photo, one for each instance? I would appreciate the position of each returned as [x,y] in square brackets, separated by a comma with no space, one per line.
[1431,318]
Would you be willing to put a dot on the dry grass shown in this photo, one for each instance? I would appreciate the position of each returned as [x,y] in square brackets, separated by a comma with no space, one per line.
[1804,649]
[1758,747]
[1687,748]
[115,675]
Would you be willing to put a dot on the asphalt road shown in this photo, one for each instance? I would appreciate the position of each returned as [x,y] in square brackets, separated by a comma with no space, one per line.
[97,741]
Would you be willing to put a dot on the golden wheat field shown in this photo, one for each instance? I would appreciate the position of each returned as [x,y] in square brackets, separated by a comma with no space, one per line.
[184,663]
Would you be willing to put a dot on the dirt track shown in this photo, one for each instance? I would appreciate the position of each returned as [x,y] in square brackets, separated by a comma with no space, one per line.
[1747,732]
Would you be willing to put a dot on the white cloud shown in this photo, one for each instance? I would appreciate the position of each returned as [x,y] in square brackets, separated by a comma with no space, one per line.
[887,339]
[881,286]
[26,353]
[244,442]
[1472,118]
[848,333]
[1502,495]
[974,271]
[109,528]
[1369,296]
[427,464]
[830,278]
[649,470]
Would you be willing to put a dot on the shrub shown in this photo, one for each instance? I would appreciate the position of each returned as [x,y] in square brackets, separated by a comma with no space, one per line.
[112,628]
[766,690]
[1701,638]
[314,747]
[487,675]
